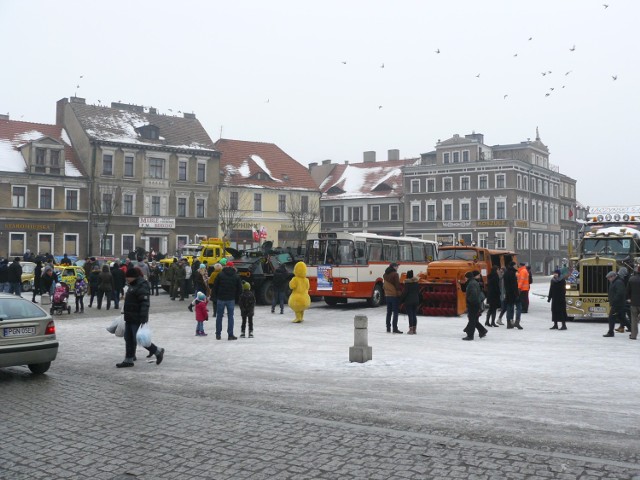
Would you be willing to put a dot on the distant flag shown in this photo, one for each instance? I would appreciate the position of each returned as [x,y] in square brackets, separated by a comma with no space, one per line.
[570,213]
[256,234]
[263,232]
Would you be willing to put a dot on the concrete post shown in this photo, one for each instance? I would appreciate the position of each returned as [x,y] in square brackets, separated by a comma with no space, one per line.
[45,299]
[361,352]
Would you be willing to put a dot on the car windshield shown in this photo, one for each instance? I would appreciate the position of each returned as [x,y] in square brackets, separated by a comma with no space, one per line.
[457,254]
[607,246]
[16,309]
[28,267]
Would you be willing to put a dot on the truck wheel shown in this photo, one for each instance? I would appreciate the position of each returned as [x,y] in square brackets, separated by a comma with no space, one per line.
[377,297]
[266,293]
[331,301]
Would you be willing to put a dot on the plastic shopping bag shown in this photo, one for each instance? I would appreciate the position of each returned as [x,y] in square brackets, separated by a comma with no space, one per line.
[120,327]
[143,337]
[112,328]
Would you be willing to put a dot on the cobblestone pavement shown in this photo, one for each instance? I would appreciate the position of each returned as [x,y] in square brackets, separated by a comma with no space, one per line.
[86,419]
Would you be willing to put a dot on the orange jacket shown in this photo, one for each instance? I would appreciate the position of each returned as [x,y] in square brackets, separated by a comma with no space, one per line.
[523,279]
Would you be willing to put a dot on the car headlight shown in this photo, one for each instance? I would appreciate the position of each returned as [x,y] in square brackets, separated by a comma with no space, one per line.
[569,301]
[578,303]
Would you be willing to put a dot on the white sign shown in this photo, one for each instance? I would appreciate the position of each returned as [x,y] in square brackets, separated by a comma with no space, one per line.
[157,222]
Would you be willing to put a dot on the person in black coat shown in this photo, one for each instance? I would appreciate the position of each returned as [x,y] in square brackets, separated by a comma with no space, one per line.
[119,282]
[512,296]
[410,298]
[136,313]
[37,275]
[227,288]
[15,277]
[557,297]
[280,280]
[493,297]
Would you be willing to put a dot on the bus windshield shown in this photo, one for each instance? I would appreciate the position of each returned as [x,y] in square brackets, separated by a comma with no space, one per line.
[617,247]
[330,251]
[457,254]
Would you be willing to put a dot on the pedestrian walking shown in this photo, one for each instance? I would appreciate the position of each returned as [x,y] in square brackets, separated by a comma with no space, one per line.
[48,281]
[37,276]
[512,296]
[154,278]
[80,289]
[557,297]
[105,287]
[523,287]
[493,297]
[118,284]
[280,280]
[94,283]
[503,302]
[247,308]
[617,300]
[202,313]
[201,280]
[186,281]
[4,276]
[227,289]
[633,295]
[392,290]
[136,313]
[15,277]
[474,298]
[410,300]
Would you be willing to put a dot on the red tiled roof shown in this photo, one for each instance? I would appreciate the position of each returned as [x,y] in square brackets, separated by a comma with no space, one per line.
[18,133]
[243,161]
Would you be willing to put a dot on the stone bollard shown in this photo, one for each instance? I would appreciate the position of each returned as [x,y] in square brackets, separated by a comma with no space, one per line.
[45,299]
[361,352]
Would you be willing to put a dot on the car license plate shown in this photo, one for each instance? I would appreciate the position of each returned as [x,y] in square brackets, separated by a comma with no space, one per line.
[19,331]
[597,309]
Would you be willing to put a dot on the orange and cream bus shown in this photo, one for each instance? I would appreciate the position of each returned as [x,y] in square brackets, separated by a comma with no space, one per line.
[344,265]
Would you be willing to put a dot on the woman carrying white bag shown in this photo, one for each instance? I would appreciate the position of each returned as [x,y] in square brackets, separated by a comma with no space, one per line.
[136,313]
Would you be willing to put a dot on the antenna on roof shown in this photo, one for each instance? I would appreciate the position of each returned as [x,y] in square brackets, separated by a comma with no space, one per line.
[220,132]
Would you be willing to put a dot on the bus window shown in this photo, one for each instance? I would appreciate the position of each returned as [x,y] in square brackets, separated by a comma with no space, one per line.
[374,250]
[405,251]
[418,252]
[495,261]
[430,252]
[345,252]
[360,253]
[390,248]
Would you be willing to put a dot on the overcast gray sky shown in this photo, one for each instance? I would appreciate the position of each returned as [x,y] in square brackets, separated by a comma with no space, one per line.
[273,71]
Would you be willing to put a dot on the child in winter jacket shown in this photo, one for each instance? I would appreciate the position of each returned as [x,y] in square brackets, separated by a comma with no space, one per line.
[202,313]
[80,289]
[247,304]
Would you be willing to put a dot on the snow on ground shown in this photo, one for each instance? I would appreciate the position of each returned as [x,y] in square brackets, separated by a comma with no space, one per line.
[535,380]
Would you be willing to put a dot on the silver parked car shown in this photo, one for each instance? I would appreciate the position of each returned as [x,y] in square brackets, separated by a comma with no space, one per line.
[27,334]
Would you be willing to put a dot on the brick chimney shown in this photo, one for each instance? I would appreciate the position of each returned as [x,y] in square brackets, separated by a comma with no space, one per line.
[393,154]
[369,157]
[60,104]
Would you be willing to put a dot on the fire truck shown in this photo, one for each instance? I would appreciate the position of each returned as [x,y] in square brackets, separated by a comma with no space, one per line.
[611,241]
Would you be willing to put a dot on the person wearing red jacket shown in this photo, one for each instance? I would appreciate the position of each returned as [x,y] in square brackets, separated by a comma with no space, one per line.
[202,313]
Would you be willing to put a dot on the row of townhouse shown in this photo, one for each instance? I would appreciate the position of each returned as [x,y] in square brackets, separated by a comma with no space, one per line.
[500,197]
[108,180]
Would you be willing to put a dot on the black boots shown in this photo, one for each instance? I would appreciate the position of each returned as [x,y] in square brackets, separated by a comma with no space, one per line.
[555,326]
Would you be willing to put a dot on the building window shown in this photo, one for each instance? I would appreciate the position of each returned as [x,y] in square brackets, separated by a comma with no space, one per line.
[282,203]
[518,181]
[465,183]
[355,214]
[525,182]
[156,168]
[465,156]
[431,212]
[46,198]
[456,157]
[500,180]
[415,212]
[127,204]
[107,245]
[445,158]
[182,170]
[393,212]
[431,184]
[155,205]
[501,209]
[200,208]
[181,241]
[257,202]
[483,182]
[107,164]
[482,239]
[128,165]
[107,202]
[519,241]
[54,157]
[19,197]
[71,243]
[234,200]
[375,213]
[304,205]
[41,155]
[464,211]
[483,208]
[501,240]
[447,184]
[17,244]
[448,211]
[202,172]
[127,244]
[415,186]
[182,207]
[71,200]
[337,214]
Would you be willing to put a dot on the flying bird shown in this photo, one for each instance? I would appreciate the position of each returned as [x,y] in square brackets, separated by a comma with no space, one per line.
[547,94]
[438,51]
[551,88]
[549,71]
[615,77]
[515,54]
[544,74]
[81,76]
[382,66]
[478,76]
[505,97]
[530,38]
[344,62]
[572,49]
[562,86]
[568,73]
[379,107]
[267,101]
[605,6]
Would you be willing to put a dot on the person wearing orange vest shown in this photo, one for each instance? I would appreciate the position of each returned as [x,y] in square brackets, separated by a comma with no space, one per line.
[523,286]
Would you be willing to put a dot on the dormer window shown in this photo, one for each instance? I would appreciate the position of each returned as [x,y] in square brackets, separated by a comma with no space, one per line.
[261,176]
[149,132]
[46,157]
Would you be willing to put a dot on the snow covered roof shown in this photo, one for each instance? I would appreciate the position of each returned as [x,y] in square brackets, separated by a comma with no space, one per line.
[16,134]
[261,165]
[120,125]
[368,179]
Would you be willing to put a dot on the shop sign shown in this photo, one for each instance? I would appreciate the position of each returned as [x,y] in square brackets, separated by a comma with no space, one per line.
[157,222]
[491,223]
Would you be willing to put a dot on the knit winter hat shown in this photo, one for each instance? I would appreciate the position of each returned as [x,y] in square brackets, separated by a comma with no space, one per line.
[202,266]
[246,286]
[230,264]
[132,273]
[223,261]
[201,296]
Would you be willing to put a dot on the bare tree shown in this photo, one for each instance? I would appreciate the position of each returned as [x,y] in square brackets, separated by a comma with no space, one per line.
[105,206]
[232,210]
[304,213]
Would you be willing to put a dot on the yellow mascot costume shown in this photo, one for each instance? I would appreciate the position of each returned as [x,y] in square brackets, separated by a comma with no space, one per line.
[299,300]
